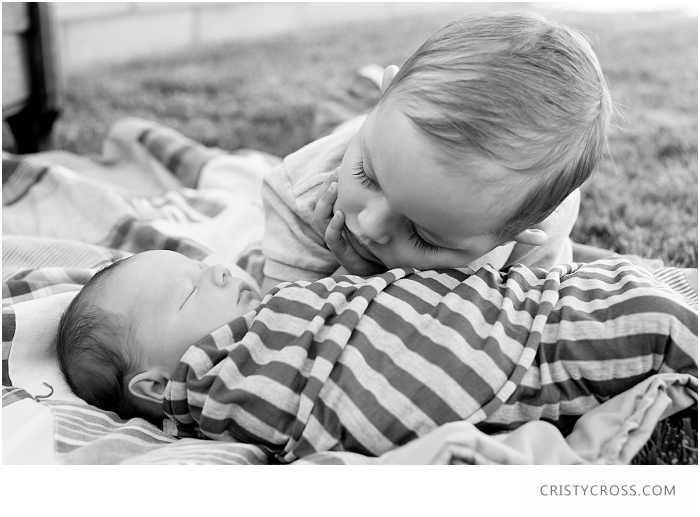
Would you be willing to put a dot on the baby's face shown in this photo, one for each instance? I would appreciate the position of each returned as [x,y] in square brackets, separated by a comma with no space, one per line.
[171,302]
[407,205]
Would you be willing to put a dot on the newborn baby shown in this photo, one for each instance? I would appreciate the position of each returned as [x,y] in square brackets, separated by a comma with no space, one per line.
[122,336]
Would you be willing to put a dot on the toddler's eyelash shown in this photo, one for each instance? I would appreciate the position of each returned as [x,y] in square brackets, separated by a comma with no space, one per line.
[367,182]
[420,242]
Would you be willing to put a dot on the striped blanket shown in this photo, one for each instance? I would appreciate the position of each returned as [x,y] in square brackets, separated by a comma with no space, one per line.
[44,423]
[64,216]
[368,365]
[152,188]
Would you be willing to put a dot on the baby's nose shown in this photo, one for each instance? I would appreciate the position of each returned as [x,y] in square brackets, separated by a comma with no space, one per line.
[220,274]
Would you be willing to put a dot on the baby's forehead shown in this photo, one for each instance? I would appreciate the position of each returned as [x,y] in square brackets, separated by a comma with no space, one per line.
[158,264]
[112,294]
[136,284]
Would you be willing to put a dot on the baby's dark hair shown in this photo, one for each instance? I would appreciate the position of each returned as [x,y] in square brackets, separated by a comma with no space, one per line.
[515,88]
[95,352]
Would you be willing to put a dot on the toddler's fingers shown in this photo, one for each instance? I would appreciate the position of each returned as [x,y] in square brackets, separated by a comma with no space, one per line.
[344,253]
[324,207]
[333,176]
[334,233]
[325,203]
[342,250]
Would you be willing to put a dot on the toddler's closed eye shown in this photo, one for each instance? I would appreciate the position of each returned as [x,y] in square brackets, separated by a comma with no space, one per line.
[367,182]
[420,242]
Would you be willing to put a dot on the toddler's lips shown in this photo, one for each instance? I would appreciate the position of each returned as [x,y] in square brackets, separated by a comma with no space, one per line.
[360,248]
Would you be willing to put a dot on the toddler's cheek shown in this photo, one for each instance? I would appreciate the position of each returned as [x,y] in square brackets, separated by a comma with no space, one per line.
[349,193]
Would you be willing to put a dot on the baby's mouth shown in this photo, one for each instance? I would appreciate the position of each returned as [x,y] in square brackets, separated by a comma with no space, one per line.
[245,289]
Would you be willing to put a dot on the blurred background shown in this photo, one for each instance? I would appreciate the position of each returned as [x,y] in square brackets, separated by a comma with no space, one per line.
[251,75]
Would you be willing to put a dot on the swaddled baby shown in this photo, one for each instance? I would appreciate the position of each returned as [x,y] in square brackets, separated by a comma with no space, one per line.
[122,336]
[367,364]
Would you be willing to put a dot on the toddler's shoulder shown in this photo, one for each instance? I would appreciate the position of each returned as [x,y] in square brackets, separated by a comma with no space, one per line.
[312,163]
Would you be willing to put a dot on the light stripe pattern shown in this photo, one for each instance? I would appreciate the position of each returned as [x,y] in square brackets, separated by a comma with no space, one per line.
[85,435]
[29,253]
[81,219]
[367,365]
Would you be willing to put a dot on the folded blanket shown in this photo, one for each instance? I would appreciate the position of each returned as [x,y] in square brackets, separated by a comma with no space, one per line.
[367,365]
[43,198]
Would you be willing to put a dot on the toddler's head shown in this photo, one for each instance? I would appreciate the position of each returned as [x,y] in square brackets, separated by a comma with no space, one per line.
[122,336]
[483,132]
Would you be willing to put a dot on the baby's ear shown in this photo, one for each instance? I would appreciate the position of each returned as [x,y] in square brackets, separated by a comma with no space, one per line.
[149,385]
[531,236]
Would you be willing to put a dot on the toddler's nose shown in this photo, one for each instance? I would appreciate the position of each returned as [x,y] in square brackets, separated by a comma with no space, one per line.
[220,274]
[377,222]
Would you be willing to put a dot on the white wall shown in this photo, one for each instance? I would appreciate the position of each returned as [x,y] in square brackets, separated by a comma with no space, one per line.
[109,32]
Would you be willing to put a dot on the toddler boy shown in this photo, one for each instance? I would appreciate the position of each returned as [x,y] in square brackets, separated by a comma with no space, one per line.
[473,155]
[365,365]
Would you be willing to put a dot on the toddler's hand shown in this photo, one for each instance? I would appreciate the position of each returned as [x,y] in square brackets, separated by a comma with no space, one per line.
[344,253]
[331,227]
[325,199]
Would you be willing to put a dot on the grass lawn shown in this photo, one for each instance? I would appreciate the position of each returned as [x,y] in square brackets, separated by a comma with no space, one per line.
[261,95]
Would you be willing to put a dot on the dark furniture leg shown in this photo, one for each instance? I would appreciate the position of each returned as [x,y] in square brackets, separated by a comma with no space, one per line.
[31,126]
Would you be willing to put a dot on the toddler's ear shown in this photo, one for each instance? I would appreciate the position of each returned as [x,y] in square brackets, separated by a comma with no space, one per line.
[389,73]
[149,385]
[531,236]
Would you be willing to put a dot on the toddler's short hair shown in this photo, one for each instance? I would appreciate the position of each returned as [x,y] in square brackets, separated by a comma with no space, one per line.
[515,88]
[95,352]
